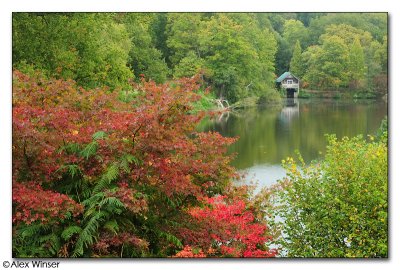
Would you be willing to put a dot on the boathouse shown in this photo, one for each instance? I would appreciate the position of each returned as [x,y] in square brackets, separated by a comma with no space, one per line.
[290,83]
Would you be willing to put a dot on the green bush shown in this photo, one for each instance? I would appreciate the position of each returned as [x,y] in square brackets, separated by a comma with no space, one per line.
[303,94]
[269,96]
[337,207]
[365,95]
[383,129]
[205,103]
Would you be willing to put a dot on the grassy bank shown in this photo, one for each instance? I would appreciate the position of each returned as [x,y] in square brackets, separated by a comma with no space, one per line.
[338,94]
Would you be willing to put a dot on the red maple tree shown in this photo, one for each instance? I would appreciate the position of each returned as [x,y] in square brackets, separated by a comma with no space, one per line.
[99,165]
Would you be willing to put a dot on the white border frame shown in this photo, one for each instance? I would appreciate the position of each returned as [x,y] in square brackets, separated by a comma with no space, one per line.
[9,6]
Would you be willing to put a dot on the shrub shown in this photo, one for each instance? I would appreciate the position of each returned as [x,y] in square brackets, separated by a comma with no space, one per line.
[337,207]
[225,228]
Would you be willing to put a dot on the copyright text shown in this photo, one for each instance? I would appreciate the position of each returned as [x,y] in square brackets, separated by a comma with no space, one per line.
[30,264]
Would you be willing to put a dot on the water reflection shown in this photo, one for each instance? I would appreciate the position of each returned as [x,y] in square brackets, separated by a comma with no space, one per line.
[270,134]
[222,118]
[289,112]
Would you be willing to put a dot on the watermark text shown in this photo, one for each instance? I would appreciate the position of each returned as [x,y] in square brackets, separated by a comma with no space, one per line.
[30,264]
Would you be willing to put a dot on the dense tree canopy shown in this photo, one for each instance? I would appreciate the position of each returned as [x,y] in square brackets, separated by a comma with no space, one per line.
[238,57]
[294,30]
[238,54]
[86,47]
[314,29]
[144,57]
[332,62]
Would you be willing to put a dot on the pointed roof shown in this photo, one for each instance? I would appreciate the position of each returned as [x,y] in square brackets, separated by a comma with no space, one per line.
[284,76]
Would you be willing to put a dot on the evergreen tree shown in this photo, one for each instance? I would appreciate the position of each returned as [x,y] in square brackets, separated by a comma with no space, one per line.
[283,55]
[356,64]
[296,62]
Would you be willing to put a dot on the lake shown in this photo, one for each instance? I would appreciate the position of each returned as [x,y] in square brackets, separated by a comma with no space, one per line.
[269,134]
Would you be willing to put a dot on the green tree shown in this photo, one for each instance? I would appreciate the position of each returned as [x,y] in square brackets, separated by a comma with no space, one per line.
[375,23]
[228,56]
[278,20]
[238,55]
[334,61]
[348,33]
[306,17]
[183,31]
[283,55]
[190,65]
[91,48]
[159,36]
[327,64]
[356,64]
[257,33]
[296,64]
[144,57]
[369,51]
[310,58]
[295,30]
[337,207]
[110,65]
[384,55]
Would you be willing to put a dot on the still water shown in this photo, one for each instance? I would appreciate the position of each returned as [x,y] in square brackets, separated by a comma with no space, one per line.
[269,134]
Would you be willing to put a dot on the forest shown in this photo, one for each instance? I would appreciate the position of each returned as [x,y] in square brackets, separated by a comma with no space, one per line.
[238,54]
[107,160]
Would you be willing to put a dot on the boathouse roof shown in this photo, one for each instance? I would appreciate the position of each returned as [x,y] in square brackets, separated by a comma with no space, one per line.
[284,76]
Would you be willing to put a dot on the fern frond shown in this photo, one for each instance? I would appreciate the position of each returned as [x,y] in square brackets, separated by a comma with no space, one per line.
[112,226]
[93,200]
[172,202]
[72,169]
[33,230]
[131,158]
[70,231]
[171,238]
[52,242]
[71,148]
[109,176]
[86,192]
[126,223]
[113,202]
[112,172]
[128,159]
[91,204]
[89,150]
[89,234]
[99,135]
